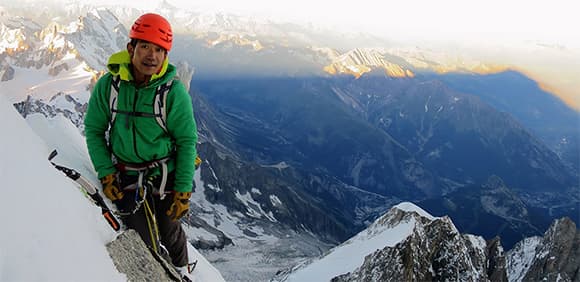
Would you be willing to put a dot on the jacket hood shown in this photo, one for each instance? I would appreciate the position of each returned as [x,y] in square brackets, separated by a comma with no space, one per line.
[119,65]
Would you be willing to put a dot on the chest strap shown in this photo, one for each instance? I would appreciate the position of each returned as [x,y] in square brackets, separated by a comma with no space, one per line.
[159,103]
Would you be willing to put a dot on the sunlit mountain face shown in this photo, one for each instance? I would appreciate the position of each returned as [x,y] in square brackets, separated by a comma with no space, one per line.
[313,134]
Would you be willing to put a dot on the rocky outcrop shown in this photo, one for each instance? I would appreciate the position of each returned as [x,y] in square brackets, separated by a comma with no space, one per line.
[185,73]
[55,70]
[98,34]
[358,61]
[433,252]
[6,72]
[218,241]
[496,261]
[557,257]
[132,257]
[54,107]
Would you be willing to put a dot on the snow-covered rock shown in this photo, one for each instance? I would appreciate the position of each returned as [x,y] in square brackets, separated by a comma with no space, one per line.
[408,244]
[555,257]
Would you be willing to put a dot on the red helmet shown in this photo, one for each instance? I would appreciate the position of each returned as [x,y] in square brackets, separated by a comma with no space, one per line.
[153,28]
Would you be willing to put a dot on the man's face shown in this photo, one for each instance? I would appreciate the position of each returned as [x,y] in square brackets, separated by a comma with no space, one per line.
[147,58]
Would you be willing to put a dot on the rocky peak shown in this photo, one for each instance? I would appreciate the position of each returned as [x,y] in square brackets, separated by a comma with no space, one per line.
[92,38]
[401,213]
[29,45]
[67,105]
[359,61]
[557,257]
[435,251]
[185,73]
[520,257]
[497,199]
[98,35]
[496,261]
[6,71]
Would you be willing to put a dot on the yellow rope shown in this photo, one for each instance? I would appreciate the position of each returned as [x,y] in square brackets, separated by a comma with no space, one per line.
[152,225]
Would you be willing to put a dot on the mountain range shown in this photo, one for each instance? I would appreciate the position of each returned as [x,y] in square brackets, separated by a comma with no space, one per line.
[409,244]
[411,139]
[303,154]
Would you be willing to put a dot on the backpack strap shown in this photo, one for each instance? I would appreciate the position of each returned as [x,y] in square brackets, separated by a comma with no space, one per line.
[160,109]
[160,115]
[115,82]
[159,105]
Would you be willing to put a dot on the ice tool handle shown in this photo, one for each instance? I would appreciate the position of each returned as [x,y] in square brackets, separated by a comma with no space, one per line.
[90,189]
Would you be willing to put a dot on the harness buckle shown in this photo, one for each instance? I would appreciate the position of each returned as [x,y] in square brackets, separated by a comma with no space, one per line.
[143,168]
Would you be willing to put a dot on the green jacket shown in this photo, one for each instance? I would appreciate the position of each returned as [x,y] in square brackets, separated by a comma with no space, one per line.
[140,139]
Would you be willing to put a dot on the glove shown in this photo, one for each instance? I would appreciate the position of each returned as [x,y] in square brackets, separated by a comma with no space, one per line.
[180,205]
[197,162]
[111,187]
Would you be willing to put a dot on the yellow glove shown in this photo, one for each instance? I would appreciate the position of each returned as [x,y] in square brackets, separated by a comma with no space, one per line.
[111,187]
[197,162]
[180,205]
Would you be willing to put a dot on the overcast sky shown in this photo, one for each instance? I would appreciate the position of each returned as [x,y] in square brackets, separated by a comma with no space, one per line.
[552,21]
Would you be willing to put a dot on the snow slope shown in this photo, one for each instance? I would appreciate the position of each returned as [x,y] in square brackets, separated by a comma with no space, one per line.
[350,254]
[43,86]
[521,258]
[50,231]
[56,234]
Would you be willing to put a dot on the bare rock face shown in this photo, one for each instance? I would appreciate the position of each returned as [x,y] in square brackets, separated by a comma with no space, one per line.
[55,70]
[132,257]
[52,108]
[496,261]
[6,72]
[435,251]
[557,257]
[405,263]
[185,73]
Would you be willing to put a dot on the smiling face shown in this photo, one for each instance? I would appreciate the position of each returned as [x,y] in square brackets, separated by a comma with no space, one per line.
[147,59]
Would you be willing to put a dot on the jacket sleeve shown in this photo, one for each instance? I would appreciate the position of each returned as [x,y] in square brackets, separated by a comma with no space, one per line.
[96,125]
[181,125]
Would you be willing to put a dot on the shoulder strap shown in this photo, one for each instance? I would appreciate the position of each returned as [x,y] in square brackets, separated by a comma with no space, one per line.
[159,106]
[115,81]
[161,102]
